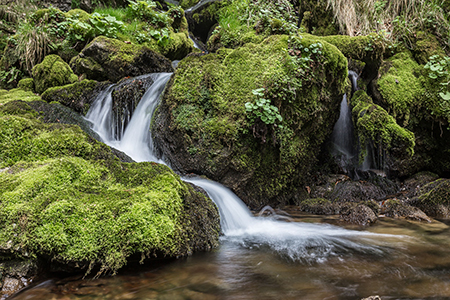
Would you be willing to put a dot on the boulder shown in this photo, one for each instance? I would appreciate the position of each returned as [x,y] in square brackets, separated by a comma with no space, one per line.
[78,96]
[16,274]
[434,198]
[359,214]
[207,122]
[53,71]
[110,59]
[88,208]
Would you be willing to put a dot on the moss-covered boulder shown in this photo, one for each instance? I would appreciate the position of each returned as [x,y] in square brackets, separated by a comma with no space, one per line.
[66,198]
[208,121]
[53,71]
[26,84]
[434,198]
[78,96]
[377,129]
[407,90]
[110,59]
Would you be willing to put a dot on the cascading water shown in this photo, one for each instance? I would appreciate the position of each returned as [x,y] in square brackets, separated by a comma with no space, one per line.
[136,139]
[297,241]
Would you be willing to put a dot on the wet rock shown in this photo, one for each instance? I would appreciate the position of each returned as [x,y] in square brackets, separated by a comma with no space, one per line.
[362,190]
[78,96]
[372,298]
[110,59]
[15,275]
[411,186]
[359,214]
[395,209]
[434,198]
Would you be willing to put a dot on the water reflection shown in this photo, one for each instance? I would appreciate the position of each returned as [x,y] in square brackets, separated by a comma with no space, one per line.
[415,266]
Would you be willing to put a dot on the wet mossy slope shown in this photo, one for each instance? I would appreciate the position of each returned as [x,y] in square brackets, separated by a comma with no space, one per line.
[65,197]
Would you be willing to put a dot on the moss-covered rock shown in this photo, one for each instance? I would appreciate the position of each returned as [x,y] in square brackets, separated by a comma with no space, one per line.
[111,59]
[66,198]
[53,71]
[394,209]
[17,94]
[376,127]
[434,198]
[26,84]
[426,45]
[202,125]
[78,96]
[406,90]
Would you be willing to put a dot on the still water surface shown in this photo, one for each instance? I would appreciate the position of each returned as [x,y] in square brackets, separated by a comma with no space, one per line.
[411,262]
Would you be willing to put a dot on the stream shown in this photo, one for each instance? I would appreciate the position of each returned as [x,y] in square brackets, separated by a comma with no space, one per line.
[411,260]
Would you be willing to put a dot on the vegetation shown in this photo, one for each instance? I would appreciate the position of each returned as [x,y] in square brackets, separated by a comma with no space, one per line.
[65,197]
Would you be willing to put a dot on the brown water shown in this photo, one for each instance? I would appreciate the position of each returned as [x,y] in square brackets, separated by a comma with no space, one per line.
[412,262]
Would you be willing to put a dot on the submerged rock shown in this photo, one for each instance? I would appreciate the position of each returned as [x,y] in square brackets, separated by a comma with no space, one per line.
[111,59]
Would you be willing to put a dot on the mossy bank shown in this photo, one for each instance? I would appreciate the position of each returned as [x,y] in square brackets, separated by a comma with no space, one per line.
[66,198]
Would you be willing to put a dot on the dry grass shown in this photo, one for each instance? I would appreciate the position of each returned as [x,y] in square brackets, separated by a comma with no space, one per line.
[356,17]
[32,45]
[396,18]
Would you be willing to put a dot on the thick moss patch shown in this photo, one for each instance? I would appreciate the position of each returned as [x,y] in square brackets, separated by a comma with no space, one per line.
[65,197]
[375,125]
[53,71]
[203,126]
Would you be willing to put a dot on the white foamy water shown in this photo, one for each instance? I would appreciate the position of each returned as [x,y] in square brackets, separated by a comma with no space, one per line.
[136,140]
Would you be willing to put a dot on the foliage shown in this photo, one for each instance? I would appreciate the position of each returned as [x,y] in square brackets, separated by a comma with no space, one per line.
[11,76]
[439,70]
[240,21]
[262,109]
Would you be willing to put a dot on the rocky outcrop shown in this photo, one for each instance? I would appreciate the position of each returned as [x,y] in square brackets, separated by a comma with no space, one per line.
[88,201]
[53,71]
[110,59]
[77,96]
[203,126]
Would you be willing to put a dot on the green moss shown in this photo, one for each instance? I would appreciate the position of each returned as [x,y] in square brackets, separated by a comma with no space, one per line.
[17,94]
[178,46]
[53,71]
[374,124]
[400,85]
[188,3]
[363,48]
[426,46]
[78,14]
[74,95]
[207,104]
[66,198]
[26,84]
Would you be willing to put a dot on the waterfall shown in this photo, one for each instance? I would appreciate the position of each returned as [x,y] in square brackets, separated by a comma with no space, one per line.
[136,140]
[293,240]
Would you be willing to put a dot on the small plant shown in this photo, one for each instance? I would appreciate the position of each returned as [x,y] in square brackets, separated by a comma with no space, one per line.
[105,25]
[262,109]
[439,70]
[10,77]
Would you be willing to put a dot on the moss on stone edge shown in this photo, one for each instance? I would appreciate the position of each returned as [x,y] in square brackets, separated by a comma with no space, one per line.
[75,95]
[206,100]
[66,198]
[400,85]
[26,84]
[373,123]
[53,71]
[434,198]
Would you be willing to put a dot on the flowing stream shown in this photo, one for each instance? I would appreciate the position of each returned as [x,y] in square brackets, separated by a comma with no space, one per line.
[273,257]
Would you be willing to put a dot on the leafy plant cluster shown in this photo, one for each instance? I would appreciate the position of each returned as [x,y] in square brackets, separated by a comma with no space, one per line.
[240,19]
[263,110]
[439,71]
[304,66]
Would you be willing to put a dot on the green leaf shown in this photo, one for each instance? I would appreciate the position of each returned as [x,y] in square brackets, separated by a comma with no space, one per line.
[445,96]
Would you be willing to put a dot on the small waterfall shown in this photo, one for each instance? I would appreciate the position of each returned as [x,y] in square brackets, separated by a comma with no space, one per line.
[342,138]
[136,139]
[293,240]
